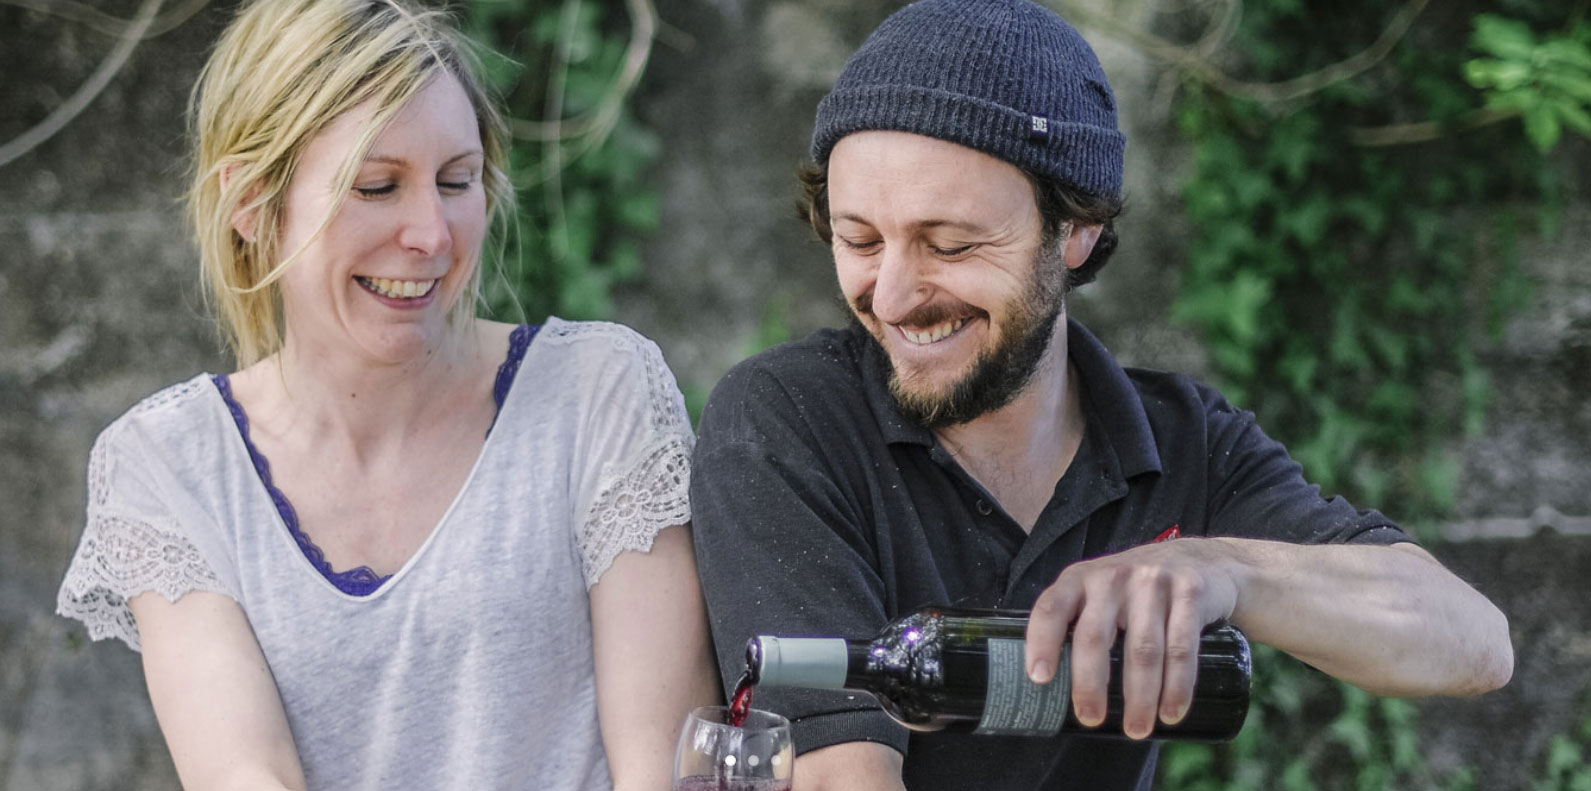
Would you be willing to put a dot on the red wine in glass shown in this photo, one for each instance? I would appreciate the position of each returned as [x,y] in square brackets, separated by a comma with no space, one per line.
[711,783]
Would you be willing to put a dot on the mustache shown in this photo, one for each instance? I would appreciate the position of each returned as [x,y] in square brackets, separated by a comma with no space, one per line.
[924,315]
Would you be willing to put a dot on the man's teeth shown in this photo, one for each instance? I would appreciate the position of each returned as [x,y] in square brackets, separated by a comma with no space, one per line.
[933,334]
[398,289]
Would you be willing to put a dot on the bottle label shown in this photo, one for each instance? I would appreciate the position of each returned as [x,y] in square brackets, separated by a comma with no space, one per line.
[1014,705]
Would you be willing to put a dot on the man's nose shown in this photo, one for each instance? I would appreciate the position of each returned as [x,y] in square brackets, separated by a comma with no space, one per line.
[899,287]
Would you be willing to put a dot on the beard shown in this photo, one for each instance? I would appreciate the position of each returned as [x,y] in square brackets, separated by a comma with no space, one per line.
[998,374]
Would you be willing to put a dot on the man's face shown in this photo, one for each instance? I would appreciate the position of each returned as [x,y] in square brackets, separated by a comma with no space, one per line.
[939,251]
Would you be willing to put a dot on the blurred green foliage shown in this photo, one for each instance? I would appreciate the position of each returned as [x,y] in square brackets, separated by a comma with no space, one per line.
[1346,292]
[1566,765]
[584,199]
[1546,80]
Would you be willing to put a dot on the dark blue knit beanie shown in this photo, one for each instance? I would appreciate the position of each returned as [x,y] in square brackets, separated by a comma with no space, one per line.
[1009,78]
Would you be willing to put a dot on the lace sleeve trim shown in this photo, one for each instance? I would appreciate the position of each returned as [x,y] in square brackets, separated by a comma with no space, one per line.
[121,557]
[631,510]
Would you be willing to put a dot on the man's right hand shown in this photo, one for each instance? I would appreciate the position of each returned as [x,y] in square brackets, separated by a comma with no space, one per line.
[851,766]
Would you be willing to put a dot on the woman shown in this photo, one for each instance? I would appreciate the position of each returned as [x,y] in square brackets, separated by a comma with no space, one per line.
[401,546]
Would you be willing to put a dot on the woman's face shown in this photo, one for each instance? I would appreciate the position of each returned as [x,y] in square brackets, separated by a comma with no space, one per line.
[392,262]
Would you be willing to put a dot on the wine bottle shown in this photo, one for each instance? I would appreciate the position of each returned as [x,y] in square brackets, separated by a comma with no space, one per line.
[942,668]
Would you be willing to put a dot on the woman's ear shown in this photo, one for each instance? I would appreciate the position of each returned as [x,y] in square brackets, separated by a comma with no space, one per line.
[244,218]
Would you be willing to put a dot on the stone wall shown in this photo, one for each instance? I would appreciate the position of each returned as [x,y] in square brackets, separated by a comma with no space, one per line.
[99,306]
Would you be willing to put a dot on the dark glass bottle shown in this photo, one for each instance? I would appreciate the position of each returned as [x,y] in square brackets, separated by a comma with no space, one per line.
[943,668]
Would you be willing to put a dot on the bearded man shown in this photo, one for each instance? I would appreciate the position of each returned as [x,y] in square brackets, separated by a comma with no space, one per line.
[964,443]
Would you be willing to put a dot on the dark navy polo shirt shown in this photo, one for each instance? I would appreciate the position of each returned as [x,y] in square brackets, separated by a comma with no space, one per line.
[819,510]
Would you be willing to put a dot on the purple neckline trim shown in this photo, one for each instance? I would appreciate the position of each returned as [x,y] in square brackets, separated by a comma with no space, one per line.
[360,581]
[518,342]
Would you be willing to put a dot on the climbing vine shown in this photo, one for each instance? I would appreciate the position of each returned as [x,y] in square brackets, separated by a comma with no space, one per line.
[1354,251]
[566,70]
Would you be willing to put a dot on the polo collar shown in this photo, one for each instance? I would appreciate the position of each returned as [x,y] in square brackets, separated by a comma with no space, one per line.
[1114,403]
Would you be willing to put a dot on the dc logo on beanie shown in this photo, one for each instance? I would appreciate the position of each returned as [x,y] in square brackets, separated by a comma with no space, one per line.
[1039,129]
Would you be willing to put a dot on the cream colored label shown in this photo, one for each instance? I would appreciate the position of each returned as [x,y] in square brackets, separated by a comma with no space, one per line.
[1014,705]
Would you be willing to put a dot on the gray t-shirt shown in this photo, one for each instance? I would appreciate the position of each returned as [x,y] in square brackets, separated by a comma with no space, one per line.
[471,667]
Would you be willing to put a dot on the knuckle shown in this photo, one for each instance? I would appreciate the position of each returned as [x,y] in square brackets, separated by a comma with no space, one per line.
[1178,653]
[1144,651]
[1191,587]
[1091,639]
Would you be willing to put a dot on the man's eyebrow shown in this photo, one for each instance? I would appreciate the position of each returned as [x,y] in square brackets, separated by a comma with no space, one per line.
[401,162]
[920,224]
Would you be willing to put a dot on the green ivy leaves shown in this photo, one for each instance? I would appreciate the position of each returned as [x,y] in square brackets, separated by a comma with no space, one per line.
[1347,293]
[1547,81]
[585,204]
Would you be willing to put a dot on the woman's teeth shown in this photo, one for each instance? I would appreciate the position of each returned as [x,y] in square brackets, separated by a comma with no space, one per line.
[933,334]
[397,289]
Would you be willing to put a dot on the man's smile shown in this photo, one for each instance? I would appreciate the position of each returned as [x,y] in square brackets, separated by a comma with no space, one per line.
[933,334]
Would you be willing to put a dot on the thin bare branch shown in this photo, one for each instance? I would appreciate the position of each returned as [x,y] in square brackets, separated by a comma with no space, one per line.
[593,127]
[1426,131]
[1189,60]
[552,147]
[101,22]
[1220,33]
[90,88]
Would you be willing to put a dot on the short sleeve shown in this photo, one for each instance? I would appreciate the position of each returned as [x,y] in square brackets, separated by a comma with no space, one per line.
[635,458]
[1260,492]
[130,545]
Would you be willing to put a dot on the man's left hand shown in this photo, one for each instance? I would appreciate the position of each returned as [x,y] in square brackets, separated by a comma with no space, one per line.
[1161,596]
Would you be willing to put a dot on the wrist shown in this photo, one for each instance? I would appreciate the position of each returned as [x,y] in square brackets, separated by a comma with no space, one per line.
[1239,565]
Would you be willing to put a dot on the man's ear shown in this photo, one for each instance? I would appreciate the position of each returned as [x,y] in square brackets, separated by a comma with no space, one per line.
[244,218]
[1080,244]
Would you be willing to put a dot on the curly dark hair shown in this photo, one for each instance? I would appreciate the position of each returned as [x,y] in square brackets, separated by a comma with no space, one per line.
[1058,204]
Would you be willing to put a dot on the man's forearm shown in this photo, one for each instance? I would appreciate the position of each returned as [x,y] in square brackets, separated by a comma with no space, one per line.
[1390,620]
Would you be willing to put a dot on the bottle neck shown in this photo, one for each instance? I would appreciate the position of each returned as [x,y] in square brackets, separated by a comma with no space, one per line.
[812,662]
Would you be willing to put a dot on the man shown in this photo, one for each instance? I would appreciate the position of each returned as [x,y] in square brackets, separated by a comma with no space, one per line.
[963,443]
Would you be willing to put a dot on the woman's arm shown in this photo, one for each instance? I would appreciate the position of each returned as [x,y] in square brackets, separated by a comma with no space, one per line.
[214,696]
[653,657]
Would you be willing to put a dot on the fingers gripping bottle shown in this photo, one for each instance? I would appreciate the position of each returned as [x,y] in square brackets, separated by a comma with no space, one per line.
[941,668]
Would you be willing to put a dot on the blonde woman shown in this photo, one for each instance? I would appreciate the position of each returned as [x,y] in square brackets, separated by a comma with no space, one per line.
[401,547]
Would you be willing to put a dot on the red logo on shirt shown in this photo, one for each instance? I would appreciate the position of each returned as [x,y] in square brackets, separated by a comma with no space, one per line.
[1174,531]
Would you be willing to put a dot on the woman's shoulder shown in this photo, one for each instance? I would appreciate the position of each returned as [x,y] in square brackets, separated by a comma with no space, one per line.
[169,424]
[176,403]
[605,366]
[599,350]
[597,337]
[172,431]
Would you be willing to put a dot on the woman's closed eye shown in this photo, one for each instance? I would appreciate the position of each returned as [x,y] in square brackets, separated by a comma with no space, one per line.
[457,182]
[453,185]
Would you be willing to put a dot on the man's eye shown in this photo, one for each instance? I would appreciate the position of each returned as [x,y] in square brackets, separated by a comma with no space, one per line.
[375,192]
[950,252]
[857,245]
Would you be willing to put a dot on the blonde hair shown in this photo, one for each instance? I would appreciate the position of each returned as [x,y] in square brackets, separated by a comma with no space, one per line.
[282,71]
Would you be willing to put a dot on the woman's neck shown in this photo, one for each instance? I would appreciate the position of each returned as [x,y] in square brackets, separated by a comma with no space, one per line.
[313,393]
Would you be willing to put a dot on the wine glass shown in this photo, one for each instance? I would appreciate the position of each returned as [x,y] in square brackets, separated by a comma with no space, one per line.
[716,756]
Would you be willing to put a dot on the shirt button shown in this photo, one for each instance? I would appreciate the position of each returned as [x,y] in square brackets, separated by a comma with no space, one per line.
[983,508]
